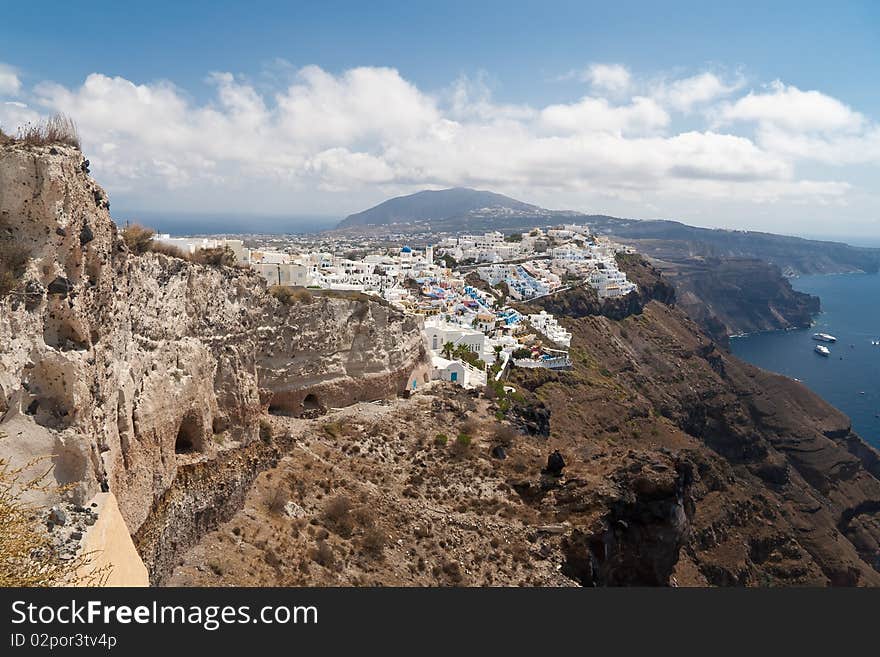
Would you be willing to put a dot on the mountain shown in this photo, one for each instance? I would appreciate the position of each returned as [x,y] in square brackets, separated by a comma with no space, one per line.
[674,241]
[444,205]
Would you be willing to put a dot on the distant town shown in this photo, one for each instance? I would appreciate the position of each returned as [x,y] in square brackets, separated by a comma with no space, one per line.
[464,286]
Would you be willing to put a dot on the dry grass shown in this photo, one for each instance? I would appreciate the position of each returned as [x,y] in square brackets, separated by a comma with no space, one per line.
[27,555]
[57,129]
[167,249]
[504,435]
[221,256]
[137,238]
[291,295]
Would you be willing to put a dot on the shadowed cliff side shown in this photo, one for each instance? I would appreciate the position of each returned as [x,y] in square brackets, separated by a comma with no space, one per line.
[747,477]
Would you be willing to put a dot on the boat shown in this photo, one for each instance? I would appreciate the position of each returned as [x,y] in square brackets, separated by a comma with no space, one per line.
[824,337]
[822,350]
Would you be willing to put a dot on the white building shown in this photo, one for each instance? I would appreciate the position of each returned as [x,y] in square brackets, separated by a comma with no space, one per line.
[549,326]
[438,332]
[190,245]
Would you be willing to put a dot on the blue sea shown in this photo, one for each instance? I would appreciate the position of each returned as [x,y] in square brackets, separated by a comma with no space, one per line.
[850,378]
[183,223]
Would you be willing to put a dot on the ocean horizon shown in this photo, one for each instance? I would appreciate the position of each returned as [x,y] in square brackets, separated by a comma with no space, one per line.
[197,223]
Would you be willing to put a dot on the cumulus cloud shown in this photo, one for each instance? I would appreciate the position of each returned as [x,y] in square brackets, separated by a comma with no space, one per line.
[790,108]
[9,82]
[686,93]
[610,77]
[313,133]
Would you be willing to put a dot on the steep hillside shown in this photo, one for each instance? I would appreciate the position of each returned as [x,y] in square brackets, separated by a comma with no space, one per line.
[126,368]
[681,465]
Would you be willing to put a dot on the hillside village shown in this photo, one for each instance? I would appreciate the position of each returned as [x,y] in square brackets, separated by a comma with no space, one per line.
[464,287]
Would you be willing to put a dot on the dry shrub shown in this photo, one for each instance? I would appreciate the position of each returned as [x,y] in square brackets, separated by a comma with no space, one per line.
[137,238]
[221,256]
[471,427]
[323,554]
[504,435]
[27,554]
[277,498]
[338,515]
[283,293]
[462,445]
[291,295]
[13,262]
[333,430]
[373,541]
[57,129]
[167,249]
[267,433]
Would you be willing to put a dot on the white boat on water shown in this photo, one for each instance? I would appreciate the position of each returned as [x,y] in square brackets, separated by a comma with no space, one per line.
[822,350]
[824,337]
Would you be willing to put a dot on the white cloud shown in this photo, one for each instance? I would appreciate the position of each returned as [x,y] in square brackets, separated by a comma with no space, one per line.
[610,77]
[642,115]
[10,84]
[317,139]
[792,109]
[699,89]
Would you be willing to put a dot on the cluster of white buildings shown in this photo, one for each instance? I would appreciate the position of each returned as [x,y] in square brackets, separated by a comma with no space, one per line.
[467,330]
[544,261]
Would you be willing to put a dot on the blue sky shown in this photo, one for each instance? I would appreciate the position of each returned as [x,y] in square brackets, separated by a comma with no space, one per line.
[506,63]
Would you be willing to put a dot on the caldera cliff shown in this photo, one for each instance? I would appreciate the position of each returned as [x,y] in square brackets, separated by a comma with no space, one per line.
[124,368]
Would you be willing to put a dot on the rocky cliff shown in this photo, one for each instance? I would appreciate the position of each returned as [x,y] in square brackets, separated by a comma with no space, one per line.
[677,464]
[729,296]
[710,470]
[127,367]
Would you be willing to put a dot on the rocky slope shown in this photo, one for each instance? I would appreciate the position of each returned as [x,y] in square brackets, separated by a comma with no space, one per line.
[682,466]
[126,367]
[764,482]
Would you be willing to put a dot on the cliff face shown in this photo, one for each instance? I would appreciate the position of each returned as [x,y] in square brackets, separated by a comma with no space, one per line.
[727,296]
[710,470]
[126,367]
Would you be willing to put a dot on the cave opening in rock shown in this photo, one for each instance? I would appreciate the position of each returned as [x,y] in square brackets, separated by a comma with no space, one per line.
[278,409]
[311,403]
[188,435]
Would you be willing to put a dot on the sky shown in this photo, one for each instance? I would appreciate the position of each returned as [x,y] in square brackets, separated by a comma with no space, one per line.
[754,115]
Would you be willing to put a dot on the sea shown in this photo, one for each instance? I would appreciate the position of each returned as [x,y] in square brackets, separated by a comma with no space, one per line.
[850,377]
[183,223]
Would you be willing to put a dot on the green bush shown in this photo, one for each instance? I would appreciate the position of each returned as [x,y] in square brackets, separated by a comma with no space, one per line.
[440,440]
